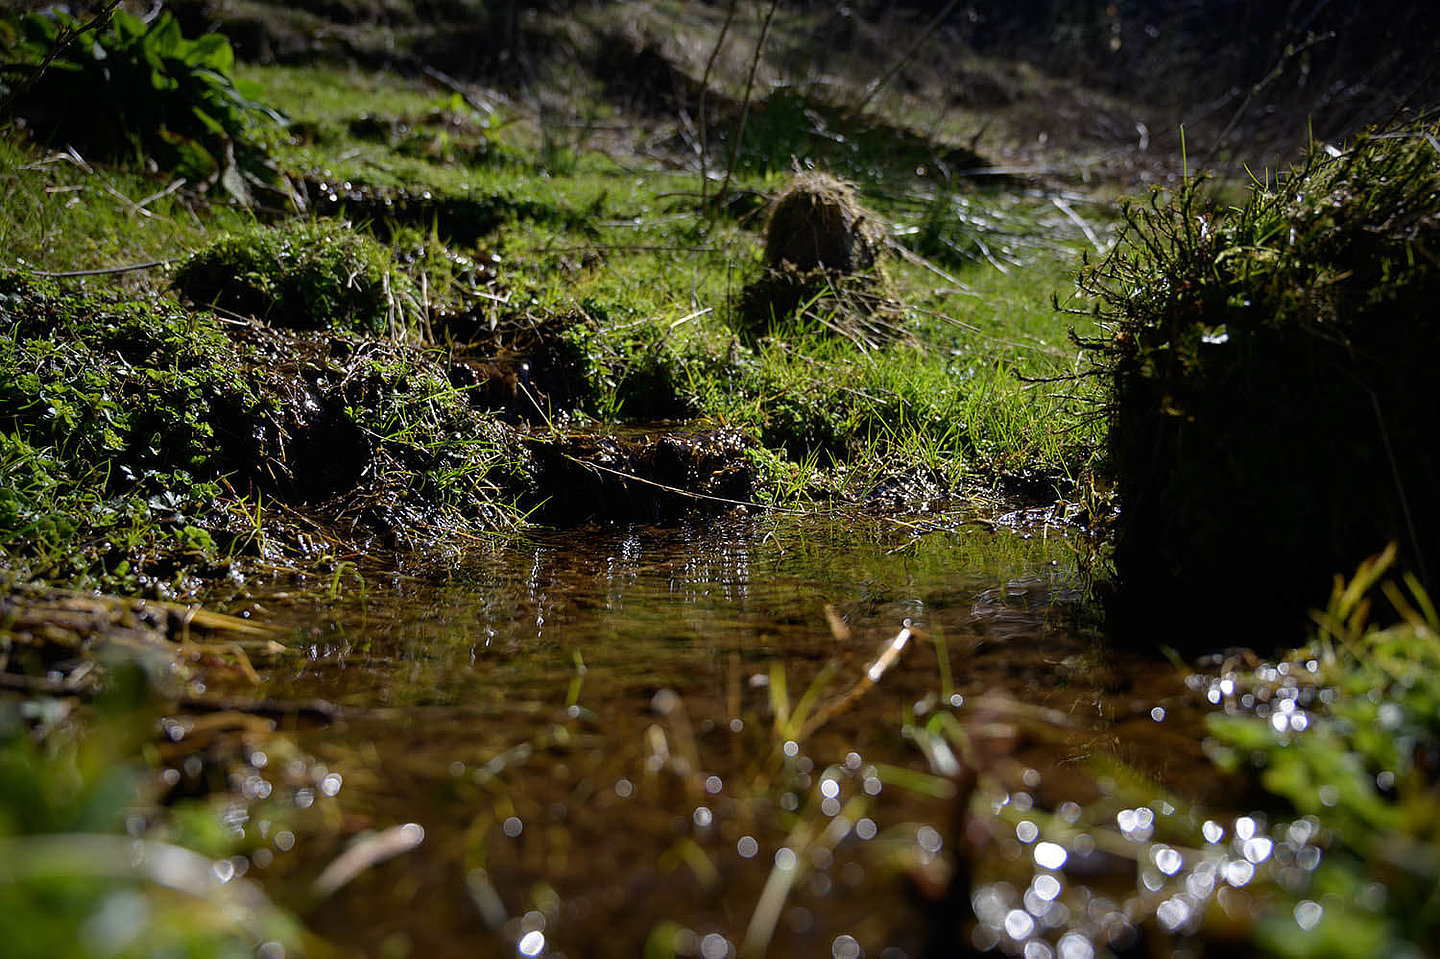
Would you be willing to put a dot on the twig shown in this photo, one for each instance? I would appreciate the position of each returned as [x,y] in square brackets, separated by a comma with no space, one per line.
[108,270]
[43,685]
[134,207]
[690,494]
[1289,53]
[455,86]
[910,256]
[318,709]
[704,93]
[745,105]
[876,85]
[889,655]
[174,185]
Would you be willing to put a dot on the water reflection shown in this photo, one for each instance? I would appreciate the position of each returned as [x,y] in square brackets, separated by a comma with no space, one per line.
[740,737]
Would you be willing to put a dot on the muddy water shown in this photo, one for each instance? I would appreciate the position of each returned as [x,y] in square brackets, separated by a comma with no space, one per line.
[745,735]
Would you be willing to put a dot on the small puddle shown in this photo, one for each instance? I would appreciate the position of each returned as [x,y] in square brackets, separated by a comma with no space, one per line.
[711,739]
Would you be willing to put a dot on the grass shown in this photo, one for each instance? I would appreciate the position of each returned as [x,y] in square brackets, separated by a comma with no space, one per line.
[1265,363]
[60,212]
[627,293]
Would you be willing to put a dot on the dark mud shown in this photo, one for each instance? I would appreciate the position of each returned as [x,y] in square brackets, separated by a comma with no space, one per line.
[643,474]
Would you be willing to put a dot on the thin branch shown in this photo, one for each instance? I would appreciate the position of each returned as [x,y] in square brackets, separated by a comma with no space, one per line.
[704,94]
[107,271]
[745,105]
[690,494]
[1290,52]
[876,85]
[66,36]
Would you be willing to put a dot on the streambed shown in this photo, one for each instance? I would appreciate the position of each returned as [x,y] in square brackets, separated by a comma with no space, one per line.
[751,734]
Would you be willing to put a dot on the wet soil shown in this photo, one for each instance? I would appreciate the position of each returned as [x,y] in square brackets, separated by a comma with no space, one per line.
[625,735]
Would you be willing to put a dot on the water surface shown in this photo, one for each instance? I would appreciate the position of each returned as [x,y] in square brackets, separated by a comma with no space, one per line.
[703,739]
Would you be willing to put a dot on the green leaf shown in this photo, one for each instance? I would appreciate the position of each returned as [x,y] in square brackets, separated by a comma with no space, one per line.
[212,51]
[164,36]
[126,28]
[209,123]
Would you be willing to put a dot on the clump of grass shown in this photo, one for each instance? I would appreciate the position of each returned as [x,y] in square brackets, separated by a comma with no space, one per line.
[1269,368]
[820,267]
[817,222]
[1354,752]
[304,275]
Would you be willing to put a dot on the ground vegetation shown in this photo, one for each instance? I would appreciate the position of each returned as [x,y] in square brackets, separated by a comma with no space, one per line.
[1266,362]
[338,294]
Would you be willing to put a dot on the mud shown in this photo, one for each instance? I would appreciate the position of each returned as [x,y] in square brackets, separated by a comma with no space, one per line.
[656,473]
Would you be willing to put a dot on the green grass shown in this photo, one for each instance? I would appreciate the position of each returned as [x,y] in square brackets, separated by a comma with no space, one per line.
[633,290]
[59,212]
[658,285]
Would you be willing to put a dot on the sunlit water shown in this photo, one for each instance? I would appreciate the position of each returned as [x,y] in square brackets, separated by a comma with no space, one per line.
[638,741]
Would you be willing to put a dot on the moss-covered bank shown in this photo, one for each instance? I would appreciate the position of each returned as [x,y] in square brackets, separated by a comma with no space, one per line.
[1272,379]
[132,427]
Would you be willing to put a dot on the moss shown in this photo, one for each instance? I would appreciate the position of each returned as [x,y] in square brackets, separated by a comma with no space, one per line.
[138,440]
[1271,369]
[304,276]
[108,412]
[131,383]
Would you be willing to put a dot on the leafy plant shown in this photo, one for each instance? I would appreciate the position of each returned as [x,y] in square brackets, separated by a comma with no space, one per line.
[142,87]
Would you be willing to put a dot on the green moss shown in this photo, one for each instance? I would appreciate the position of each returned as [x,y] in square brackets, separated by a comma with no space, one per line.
[304,276]
[1271,368]
[125,382]
[139,440]
[108,410]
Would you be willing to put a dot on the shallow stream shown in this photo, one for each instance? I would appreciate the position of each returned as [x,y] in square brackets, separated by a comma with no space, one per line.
[743,735]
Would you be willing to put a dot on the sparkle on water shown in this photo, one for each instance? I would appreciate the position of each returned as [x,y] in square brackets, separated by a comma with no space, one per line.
[723,772]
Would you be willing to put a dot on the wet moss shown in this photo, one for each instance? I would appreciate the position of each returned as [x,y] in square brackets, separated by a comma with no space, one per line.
[304,276]
[140,440]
